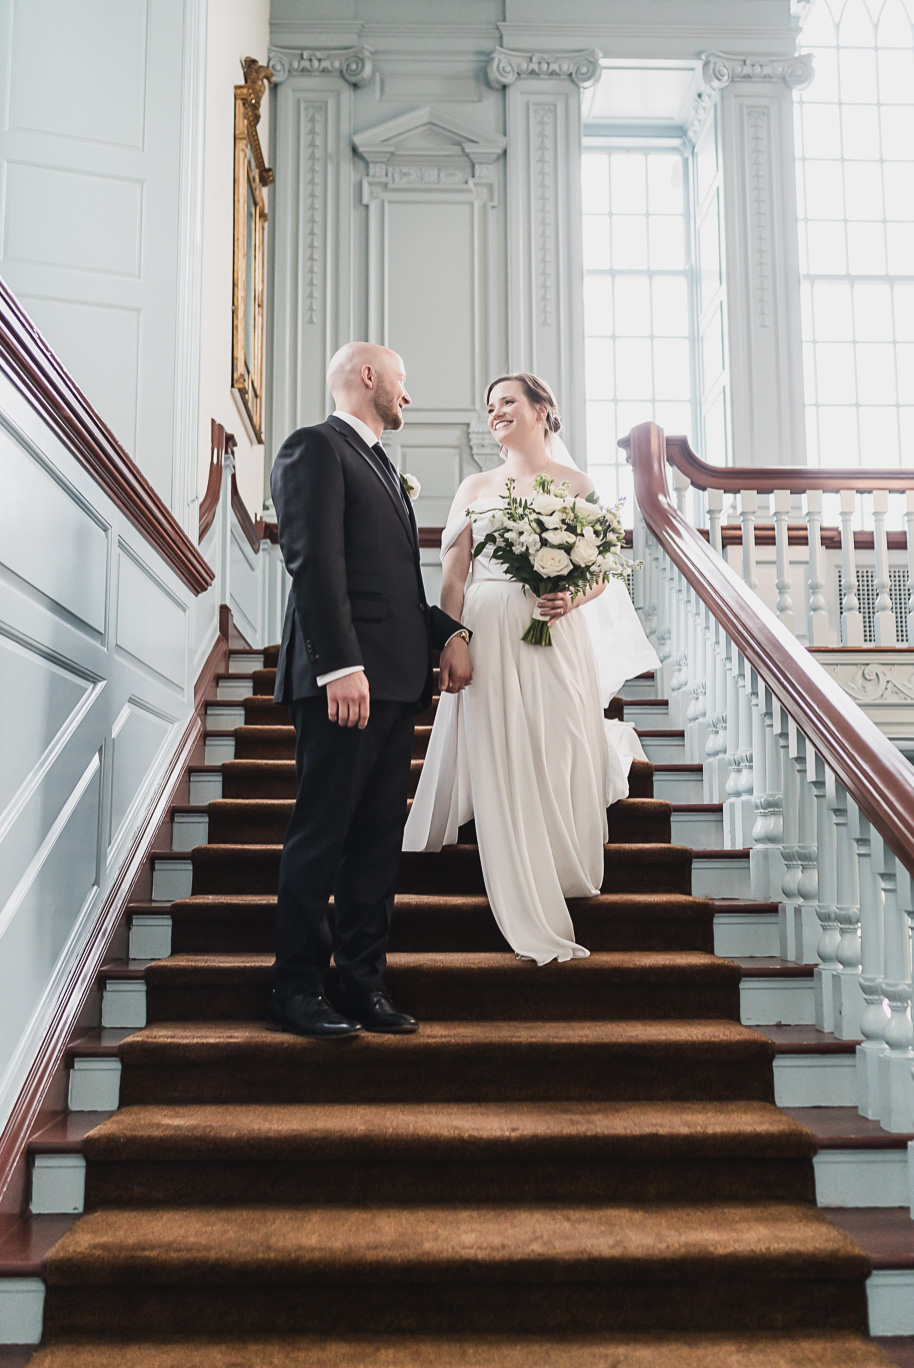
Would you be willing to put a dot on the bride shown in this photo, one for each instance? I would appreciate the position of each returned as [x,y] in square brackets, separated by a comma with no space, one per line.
[525,749]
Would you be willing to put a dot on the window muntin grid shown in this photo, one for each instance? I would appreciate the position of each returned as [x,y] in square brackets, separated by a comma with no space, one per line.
[637,303]
[855,193]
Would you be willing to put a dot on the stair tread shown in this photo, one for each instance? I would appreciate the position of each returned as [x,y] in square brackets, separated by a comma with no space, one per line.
[809,1350]
[276,1244]
[651,966]
[258,1038]
[379,1130]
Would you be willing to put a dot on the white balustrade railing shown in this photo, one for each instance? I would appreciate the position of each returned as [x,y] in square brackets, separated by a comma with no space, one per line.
[792,533]
[821,799]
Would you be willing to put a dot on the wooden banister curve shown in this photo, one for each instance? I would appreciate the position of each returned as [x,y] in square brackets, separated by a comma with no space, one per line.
[33,368]
[255,530]
[878,778]
[766,479]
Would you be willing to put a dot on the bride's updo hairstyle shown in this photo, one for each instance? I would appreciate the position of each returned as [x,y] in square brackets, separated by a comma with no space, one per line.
[538,392]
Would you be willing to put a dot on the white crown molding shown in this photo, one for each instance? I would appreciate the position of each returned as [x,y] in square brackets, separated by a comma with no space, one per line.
[721,69]
[352,64]
[506,66]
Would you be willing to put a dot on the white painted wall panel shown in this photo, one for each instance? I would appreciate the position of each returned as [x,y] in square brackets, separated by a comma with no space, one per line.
[246,588]
[39,697]
[151,620]
[52,217]
[56,38]
[67,562]
[429,302]
[136,738]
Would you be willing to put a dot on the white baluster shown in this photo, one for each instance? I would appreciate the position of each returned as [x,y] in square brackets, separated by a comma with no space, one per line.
[896,1106]
[823,792]
[731,798]
[774,802]
[782,554]
[681,484]
[639,553]
[696,730]
[885,617]
[715,508]
[851,617]
[819,631]
[847,996]
[716,770]
[790,836]
[807,925]
[748,500]
[909,538]
[758,864]
[746,814]
[873,1020]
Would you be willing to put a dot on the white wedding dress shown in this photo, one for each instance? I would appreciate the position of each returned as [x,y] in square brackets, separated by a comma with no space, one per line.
[526,751]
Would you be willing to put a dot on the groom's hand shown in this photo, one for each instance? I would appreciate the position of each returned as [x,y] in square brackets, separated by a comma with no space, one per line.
[347,700]
[455,666]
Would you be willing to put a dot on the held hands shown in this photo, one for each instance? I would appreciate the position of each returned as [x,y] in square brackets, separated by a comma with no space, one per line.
[455,666]
[554,606]
[348,700]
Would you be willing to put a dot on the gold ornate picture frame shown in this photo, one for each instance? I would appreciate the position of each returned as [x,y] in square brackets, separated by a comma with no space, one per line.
[250,217]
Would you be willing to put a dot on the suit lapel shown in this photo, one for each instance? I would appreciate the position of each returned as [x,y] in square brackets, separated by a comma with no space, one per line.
[407,519]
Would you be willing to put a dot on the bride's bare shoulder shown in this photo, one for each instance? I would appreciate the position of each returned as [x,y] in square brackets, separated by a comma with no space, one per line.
[579,483]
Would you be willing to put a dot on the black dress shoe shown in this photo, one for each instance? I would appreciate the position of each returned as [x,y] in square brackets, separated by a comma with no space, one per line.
[376,1012]
[310,1014]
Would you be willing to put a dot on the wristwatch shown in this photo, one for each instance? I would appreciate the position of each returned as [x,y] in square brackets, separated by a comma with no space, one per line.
[464,634]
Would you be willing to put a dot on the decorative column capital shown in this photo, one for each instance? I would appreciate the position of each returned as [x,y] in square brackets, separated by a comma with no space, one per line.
[505,66]
[353,64]
[721,69]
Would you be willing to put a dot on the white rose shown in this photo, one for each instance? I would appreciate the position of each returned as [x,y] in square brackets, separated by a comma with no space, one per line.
[560,538]
[587,512]
[550,561]
[411,485]
[550,520]
[584,553]
[546,503]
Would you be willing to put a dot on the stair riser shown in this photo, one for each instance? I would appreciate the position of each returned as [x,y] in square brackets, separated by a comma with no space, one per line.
[676,787]
[264,827]
[314,1180]
[708,1299]
[235,690]
[460,930]
[700,830]
[455,998]
[456,871]
[460,1073]
[664,752]
[205,788]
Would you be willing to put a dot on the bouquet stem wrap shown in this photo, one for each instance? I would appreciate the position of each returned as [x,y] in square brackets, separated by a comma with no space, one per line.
[553,543]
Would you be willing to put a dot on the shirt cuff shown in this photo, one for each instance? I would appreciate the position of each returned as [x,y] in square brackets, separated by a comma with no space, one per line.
[337,674]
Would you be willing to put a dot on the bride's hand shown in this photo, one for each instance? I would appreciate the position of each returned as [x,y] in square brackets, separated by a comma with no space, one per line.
[554,606]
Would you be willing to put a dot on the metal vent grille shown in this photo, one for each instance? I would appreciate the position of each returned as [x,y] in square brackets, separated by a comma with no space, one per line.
[866,598]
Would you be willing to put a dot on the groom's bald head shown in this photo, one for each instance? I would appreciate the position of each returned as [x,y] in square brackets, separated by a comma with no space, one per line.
[369,382]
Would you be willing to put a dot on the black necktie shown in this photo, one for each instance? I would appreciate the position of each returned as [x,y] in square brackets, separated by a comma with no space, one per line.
[390,472]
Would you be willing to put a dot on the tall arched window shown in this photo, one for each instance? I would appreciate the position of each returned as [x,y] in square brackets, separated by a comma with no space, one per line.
[855,184]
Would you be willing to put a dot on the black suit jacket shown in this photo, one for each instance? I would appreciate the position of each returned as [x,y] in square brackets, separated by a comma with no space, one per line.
[352,550]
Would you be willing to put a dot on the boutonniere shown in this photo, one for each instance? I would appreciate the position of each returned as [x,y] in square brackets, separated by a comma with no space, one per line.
[411,486]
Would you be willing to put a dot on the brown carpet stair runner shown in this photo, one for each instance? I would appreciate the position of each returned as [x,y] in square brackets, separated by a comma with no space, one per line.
[572,1166]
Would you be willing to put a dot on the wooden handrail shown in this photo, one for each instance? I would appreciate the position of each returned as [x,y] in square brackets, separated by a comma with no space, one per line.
[255,530]
[766,479]
[37,373]
[873,772]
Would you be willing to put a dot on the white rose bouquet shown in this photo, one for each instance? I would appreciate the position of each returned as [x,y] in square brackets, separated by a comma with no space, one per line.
[554,543]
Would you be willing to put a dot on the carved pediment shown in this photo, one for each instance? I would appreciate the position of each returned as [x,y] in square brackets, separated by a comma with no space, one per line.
[428,139]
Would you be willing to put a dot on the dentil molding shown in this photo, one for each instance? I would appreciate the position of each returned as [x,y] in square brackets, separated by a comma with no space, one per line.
[506,66]
[352,64]
[720,69]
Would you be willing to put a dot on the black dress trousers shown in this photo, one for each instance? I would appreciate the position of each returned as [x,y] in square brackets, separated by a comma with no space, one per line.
[344,838]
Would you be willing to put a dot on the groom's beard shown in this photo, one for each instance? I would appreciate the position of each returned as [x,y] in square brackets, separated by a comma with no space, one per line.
[389,411]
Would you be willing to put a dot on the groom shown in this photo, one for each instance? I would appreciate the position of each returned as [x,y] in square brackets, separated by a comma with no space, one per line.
[354,667]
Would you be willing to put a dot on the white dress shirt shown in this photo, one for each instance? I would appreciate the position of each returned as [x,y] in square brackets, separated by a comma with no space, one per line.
[370,439]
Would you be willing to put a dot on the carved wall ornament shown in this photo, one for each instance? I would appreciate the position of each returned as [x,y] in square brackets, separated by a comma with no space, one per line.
[543,157]
[483,446]
[758,155]
[721,69]
[881,684]
[505,66]
[426,150]
[352,64]
[704,103]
